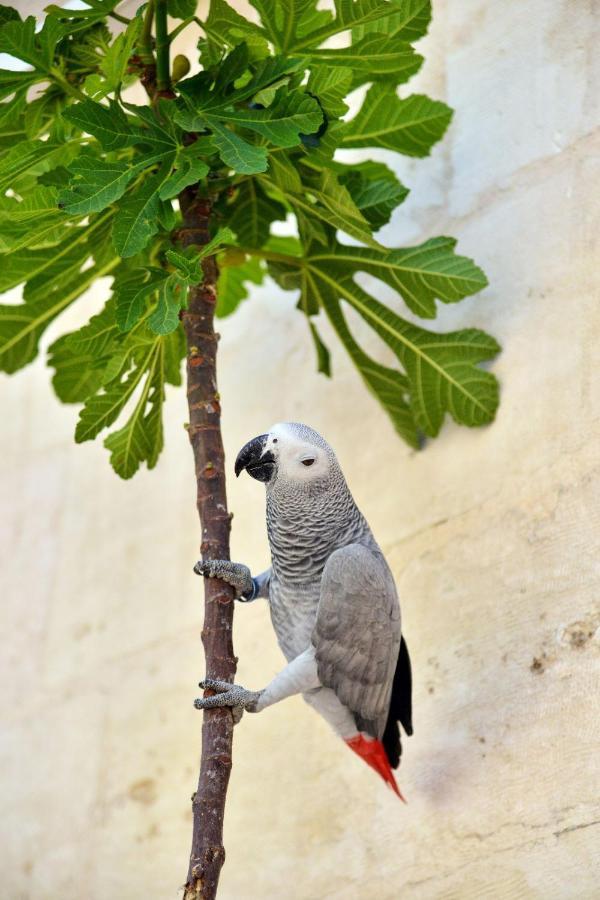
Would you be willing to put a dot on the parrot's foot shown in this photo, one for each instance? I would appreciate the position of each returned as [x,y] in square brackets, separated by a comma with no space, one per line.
[235,574]
[227,694]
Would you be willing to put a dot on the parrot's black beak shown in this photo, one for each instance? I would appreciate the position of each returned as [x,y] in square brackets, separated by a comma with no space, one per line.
[260,464]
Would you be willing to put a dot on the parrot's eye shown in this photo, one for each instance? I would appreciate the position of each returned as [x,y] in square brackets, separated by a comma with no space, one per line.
[274,440]
[307,462]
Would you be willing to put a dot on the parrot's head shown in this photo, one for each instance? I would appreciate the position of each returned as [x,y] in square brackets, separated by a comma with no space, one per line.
[290,453]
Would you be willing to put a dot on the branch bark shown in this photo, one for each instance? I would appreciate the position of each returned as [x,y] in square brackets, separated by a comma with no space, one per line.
[208,803]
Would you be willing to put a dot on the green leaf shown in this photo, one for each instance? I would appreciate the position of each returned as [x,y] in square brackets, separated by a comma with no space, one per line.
[136,220]
[324,200]
[251,213]
[374,57]
[189,262]
[96,184]
[411,126]
[232,286]
[34,158]
[282,123]
[40,202]
[42,114]
[356,13]
[287,22]
[388,386]
[102,409]
[295,25]
[77,375]
[189,170]
[8,14]
[132,294]
[172,290]
[11,81]
[141,438]
[96,10]
[242,157]
[29,265]
[331,85]
[419,274]
[323,355]
[221,102]
[96,338]
[441,369]
[114,64]
[155,126]
[374,188]
[181,9]
[108,124]
[21,325]
[225,28]
[171,298]
[18,38]
[409,23]
[283,173]
[147,363]
[68,262]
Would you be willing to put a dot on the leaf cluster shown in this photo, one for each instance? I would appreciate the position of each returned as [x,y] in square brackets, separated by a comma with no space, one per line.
[90,186]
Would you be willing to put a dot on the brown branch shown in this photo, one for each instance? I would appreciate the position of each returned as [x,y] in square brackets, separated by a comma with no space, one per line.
[208,803]
[207,854]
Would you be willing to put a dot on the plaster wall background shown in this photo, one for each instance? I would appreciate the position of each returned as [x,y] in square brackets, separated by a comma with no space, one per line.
[493,536]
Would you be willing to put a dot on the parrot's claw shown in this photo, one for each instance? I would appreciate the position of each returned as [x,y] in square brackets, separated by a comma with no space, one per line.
[226,694]
[214,684]
[235,574]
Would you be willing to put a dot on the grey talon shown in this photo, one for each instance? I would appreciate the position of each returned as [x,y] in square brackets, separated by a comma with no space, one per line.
[231,695]
[235,574]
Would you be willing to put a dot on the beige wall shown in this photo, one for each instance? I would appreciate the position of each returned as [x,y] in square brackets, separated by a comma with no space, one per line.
[493,536]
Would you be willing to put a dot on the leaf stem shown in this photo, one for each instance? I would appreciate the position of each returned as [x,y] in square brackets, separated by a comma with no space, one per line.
[97,4]
[270,256]
[163,69]
[120,18]
[57,76]
[179,28]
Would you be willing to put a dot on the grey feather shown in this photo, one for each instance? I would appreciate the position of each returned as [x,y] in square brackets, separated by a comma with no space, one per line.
[357,633]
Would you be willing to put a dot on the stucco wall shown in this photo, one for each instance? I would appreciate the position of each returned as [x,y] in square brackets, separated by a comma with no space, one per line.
[493,536]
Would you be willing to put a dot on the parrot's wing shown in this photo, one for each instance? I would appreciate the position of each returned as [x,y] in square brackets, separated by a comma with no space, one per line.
[357,634]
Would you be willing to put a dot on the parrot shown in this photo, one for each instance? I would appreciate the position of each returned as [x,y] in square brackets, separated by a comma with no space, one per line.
[332,599]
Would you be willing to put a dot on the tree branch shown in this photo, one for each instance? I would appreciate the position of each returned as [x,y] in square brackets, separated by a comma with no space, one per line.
[208,803]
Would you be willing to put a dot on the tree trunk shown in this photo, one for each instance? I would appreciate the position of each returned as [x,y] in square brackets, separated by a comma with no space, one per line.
[208,803]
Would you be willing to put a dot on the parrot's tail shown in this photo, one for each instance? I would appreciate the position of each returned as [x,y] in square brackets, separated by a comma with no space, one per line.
[374,755]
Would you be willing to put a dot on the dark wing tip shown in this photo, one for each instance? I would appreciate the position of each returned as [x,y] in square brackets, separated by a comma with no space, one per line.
[400,707]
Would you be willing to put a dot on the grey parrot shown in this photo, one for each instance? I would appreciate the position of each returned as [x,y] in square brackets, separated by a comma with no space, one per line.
[332,599]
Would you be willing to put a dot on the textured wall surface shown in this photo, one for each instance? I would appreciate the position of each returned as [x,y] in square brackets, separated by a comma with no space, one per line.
[493,536]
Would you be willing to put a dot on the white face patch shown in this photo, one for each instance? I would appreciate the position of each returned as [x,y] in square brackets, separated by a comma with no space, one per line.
[297,459]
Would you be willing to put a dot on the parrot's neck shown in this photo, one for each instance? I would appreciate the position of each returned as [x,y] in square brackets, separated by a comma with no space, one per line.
[306,524]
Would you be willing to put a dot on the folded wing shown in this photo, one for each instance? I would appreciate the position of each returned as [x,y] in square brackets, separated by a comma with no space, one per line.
[357,634]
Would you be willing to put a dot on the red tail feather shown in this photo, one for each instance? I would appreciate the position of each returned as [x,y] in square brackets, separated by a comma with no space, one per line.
[374,755]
